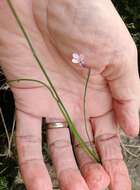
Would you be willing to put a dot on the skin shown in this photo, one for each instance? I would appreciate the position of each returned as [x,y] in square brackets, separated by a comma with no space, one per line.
[57,28]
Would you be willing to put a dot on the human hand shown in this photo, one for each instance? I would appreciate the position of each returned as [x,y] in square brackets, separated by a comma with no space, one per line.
[96,31]
[30,100]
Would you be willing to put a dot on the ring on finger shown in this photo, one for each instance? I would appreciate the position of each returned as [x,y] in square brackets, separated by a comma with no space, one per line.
[56,125]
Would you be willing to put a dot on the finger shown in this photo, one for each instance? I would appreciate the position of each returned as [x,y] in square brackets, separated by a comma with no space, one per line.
[108,146]
[127,114]
[28,137]
[64,161]
[123,80]
[93,173]
[139,95]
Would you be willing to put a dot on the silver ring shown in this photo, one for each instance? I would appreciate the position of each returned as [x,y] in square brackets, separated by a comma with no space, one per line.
[57,125]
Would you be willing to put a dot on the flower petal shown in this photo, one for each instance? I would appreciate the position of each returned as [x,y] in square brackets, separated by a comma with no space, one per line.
[75,55]
[76,61]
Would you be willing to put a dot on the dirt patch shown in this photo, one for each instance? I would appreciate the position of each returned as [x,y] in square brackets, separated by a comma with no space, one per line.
[132,159]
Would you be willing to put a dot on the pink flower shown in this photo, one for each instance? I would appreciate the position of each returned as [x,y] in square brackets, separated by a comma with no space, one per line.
[78,59]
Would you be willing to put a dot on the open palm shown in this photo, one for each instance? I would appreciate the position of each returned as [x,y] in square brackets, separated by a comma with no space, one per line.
[55,42]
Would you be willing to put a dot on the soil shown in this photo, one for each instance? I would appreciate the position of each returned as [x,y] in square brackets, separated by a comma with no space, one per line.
[132,161]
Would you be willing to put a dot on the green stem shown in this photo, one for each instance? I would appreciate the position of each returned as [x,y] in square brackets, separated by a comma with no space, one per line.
[73,129]
[60,104]
[34,80]
[84,105]
[83,145]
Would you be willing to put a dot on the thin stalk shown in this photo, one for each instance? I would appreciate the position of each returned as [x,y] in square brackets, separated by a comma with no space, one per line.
[12,132]
[84,105]
[131,146]
[2,171]
[83,145]
[9,138]
[36,81]
[4,124]
[128,151]
[60,104]
[30,45]
[6,131]
[73,129]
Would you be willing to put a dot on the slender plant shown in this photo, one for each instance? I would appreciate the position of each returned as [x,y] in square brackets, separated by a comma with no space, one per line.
[84,106]
[51,88]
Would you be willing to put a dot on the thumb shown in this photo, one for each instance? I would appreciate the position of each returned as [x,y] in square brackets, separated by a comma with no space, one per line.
[123,80]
